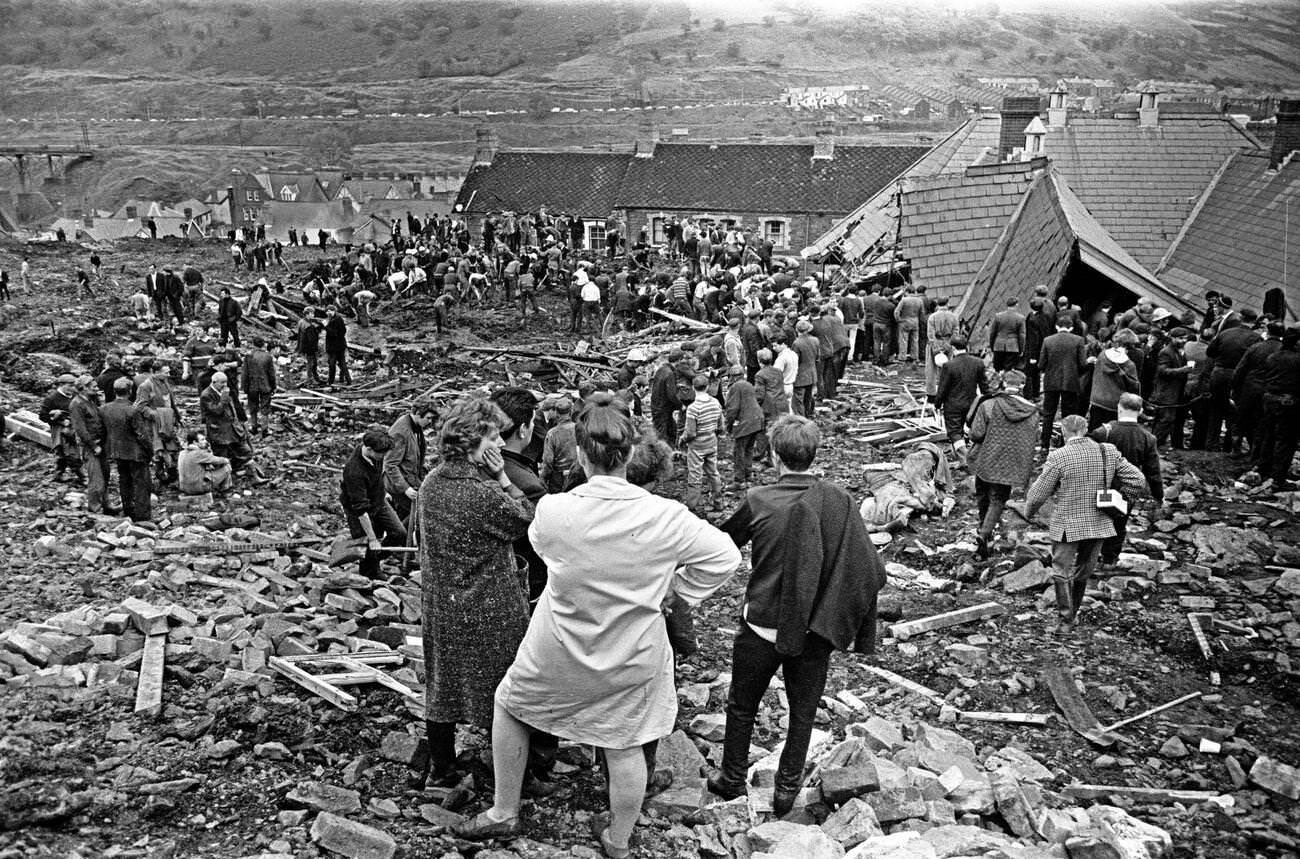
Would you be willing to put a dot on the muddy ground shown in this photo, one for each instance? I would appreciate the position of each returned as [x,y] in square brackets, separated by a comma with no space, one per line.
[70,759]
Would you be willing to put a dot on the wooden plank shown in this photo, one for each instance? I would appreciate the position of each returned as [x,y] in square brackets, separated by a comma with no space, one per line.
[970,614]
[1140,794]
[369,657]
[684,320]
[337,697]
[1198,632]
[148,692]
[150,619]
[174,548]
[384,680]
[26,425]
[1145,713]
[909,685]
[1077,714]
[1038,720]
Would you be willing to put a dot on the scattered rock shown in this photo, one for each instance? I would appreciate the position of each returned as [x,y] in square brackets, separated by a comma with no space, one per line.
[352,839]
[325,798]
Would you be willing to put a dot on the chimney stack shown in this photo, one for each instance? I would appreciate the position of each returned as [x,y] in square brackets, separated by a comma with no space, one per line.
[1057,114]
[485,148]
[824,144]
[1286,136]
[1017,112]
[1148,108]
[647,138]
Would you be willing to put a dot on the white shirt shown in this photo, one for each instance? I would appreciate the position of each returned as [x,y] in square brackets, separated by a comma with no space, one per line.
[590,291]
[788,363]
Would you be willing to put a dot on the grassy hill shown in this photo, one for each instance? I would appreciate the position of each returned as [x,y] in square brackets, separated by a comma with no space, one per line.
[232,80]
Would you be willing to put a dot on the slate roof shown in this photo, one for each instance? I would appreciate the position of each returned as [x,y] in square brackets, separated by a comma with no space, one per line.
[1236,240]
[363,190]
[762,177]
[1049,229]
[949,223]
[583,183]
[308,187]
[869,222]
[1139,182]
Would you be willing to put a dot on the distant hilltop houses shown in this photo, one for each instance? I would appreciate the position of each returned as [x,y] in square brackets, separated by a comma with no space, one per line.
[342,203]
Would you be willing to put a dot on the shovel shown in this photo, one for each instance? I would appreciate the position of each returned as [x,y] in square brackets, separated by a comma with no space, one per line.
[346,550]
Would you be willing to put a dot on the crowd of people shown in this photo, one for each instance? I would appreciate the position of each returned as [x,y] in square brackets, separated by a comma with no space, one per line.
[559,612]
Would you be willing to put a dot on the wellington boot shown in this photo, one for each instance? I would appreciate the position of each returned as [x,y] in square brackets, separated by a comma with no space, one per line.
[1064,606]
[1077,589]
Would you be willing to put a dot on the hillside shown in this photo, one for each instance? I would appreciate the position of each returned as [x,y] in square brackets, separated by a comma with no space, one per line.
[179,92]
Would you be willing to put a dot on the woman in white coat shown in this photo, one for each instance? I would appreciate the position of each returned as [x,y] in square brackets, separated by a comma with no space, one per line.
[595,666]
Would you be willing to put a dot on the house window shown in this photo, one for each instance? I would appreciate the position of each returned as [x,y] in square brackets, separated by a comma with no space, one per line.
[131,212]
[253,196]
[777,232]
[250,215]
[189,213]
[595,234]
[657,225]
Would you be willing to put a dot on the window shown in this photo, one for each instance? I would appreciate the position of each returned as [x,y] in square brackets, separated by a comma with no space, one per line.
[777,232]
[288,193]
[250,215]
[657,225]
[595,237]
[132,212]
[253,196]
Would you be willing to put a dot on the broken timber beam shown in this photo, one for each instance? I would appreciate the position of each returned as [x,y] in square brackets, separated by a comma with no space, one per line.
[233,548]
[684,320]
[1077,714]
[1202,643]
[148,691]
[910,685]
[1038,720]
[1139,794]
[1145,713]
[970,614]
[25,424]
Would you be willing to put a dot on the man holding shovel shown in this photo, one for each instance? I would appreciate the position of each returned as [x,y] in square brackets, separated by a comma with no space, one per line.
[365,504]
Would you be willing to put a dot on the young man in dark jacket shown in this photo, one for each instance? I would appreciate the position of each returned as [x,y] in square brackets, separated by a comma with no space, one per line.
[1139,447]
[229,312]
[365,505]
[961,380]
[812,589]
[336,346]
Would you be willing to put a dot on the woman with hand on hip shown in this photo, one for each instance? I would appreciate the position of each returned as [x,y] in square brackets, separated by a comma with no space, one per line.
[595,666]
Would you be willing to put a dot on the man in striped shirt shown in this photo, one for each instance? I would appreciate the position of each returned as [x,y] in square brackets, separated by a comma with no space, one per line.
[703,426]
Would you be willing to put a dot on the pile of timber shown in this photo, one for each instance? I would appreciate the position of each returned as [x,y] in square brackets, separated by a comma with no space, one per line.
[892,416]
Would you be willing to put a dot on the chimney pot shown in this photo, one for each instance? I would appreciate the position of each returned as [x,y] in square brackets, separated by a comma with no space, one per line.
[646,141]
[1149,108]
[485,146]
[1286,136]
[823,144]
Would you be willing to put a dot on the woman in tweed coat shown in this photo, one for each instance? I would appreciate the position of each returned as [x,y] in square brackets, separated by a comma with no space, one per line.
[475,602]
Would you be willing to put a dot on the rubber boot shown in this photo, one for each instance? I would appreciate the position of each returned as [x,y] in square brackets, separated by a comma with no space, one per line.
[1064,606]
[1077,589]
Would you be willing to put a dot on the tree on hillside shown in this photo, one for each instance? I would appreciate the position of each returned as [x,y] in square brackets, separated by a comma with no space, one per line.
[330,146]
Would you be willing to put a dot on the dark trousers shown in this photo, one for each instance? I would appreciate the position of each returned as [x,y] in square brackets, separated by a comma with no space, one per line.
[388,528]
[313,367]
[954,419]
[1281,434]
[992,500]
[881,334]
[826,373]
[240,453]
[1032,377]
[1250,420]
[666,426]
[230,330]
[1005,360]
[338,362]
[1112,546]
[1199,409]
[174,302]
[1098,415]
[742,456]
[753,663]
[1169,424]
[804,402]
[259,403]
[1219,416]
[136,486]
[1066,400]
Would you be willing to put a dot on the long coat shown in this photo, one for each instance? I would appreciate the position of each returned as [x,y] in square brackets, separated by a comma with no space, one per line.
[596,666]
[475,602]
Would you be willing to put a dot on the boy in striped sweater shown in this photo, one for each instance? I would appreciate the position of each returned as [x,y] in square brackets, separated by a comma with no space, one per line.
[703,426]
